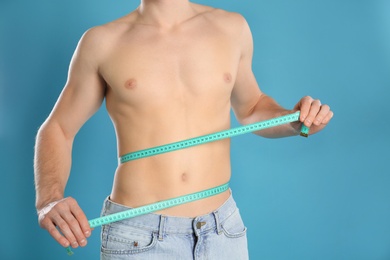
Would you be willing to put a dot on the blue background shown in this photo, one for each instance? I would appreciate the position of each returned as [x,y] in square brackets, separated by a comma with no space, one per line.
[325,197]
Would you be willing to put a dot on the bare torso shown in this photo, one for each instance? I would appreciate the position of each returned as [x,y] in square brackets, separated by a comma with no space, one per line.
[165,86]
[169,71]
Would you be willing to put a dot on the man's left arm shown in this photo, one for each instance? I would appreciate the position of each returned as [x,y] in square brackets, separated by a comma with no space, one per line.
[251,105]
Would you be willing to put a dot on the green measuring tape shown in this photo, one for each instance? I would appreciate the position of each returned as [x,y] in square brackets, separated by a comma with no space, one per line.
[131,213]
[185,144]
[157,206]
[214,137]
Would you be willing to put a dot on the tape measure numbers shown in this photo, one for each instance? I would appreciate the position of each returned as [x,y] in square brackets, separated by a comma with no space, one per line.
[131,213]
[182,145]
[157,206]
[214,137]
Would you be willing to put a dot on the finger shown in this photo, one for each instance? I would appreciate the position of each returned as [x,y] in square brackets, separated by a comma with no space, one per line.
[73,223]
[304,107]
[319,119]
[314,109]
[65,230]
[82,219]
[53,231]
[75,229]
[328,117]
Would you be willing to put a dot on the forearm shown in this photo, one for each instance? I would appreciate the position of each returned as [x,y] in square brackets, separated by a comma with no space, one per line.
[61,217]
[52,164]
[267,108]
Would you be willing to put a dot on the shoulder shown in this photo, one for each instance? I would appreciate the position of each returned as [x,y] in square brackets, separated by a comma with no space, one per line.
[92,42]
[231,18]
[98,41]
[232,22]
[235,26]
[93,37]
[217,12]
[102,35]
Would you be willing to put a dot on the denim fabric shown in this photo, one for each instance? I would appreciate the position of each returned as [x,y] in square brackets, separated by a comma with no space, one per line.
[219,235]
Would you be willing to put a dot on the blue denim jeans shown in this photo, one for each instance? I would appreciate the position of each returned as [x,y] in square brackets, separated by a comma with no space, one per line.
[219,235]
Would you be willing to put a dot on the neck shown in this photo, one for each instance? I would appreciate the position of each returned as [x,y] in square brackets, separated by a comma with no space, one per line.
[165,13]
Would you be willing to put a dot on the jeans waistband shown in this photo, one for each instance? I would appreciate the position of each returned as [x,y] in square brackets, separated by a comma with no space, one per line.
[171,224]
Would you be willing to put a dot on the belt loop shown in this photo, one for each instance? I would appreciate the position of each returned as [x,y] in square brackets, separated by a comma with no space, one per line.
[216,216]
[161,228]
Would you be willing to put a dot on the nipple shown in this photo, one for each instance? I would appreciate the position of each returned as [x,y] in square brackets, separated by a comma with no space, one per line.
[227,77]
[131,84]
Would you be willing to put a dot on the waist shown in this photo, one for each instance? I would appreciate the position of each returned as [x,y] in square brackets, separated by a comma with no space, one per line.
[137,186]
[175,152]
[174,224]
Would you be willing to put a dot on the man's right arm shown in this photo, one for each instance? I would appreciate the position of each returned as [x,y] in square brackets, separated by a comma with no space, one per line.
[79,100]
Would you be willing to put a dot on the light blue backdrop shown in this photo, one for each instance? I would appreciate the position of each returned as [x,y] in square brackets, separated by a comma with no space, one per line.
[325,197]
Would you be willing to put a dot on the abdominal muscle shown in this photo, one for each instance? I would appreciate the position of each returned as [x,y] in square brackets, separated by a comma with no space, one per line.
[164,176]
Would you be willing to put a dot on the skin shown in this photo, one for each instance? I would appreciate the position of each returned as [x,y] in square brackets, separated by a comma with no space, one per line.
[169,70]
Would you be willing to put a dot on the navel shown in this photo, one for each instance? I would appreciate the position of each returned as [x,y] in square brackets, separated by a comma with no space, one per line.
[184,177]
[131,84]
[227,77]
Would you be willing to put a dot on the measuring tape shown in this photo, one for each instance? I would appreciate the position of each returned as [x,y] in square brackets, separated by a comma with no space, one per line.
[182,145]
[131,213]
[157,206]
[214,137]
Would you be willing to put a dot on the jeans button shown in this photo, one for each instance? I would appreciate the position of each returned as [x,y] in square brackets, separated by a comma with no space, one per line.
[200,224]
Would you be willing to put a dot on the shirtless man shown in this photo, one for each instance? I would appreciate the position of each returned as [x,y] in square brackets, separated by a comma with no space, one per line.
[169,70]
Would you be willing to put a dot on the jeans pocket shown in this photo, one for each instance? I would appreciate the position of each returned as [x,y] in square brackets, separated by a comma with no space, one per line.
[233,226]
[127,240]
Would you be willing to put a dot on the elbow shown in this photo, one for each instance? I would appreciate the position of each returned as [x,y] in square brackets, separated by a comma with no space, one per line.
[249,115]
[51,129]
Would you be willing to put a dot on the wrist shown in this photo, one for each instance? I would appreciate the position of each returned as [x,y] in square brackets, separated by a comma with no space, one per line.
[44,203]
[45,209]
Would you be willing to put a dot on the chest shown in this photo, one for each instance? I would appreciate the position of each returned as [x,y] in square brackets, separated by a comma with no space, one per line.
[198,63]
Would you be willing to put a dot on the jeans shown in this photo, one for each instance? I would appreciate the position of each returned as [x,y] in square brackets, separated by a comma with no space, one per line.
[218,235]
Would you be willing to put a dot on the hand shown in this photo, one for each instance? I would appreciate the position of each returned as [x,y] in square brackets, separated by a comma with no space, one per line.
[69,218]
[313,114]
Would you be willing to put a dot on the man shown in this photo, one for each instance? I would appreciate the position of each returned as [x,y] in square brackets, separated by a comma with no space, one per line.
[170,70]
